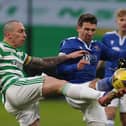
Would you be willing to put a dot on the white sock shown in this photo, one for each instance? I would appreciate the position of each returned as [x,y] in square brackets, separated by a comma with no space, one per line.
[110,122]
[81,91]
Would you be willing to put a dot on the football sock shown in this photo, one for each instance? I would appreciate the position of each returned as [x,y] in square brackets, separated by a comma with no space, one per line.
[81,91]
[110,123]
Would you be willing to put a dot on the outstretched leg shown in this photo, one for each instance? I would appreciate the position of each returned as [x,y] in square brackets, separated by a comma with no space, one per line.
[53,85]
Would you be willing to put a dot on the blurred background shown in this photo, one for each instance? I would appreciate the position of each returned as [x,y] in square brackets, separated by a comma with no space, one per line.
[50,21]
[47,23]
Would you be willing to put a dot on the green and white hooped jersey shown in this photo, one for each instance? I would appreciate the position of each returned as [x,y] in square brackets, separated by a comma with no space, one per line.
[11,65]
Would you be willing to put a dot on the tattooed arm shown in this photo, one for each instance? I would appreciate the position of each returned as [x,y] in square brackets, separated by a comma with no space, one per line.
[43,63]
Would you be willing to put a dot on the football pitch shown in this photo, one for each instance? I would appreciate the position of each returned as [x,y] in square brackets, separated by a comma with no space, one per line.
[54,112]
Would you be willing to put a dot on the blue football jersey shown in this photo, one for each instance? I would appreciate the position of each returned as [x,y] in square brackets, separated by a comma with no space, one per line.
[113,41]
[97,51]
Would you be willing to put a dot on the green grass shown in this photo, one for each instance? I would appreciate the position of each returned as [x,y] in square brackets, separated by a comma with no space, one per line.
[53,113]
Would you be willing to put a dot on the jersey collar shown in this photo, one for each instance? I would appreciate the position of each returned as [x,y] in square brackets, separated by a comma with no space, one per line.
[86,46]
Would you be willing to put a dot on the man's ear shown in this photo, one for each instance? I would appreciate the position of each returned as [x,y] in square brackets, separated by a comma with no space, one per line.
[78,28]
[8,35]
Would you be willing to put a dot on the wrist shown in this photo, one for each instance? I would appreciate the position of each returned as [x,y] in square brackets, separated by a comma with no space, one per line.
[68,56]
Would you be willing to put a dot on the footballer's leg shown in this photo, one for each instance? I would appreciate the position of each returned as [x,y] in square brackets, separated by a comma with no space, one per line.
[53,85]
[95,114]
[122,108]
[24,105]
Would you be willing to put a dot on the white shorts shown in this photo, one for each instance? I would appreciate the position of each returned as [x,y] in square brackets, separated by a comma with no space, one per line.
[119,102]
[92,110]
[21,99]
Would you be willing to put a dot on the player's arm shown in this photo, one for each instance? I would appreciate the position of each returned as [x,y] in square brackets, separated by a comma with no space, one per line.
[40,63]
[110,54]
[117,81]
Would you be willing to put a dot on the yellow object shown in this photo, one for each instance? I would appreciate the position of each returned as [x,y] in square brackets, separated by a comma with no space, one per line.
[119,78]
[28,60]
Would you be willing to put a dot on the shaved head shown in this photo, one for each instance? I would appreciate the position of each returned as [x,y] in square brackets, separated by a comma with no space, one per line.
[14,33]
[9,26]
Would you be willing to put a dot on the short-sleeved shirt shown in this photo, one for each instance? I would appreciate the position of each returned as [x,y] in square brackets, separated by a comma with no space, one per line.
[113,41]
[11,65]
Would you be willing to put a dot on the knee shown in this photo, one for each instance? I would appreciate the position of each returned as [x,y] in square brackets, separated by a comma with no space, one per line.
[52,85]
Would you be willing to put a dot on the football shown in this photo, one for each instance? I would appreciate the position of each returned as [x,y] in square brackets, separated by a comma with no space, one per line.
[119,78]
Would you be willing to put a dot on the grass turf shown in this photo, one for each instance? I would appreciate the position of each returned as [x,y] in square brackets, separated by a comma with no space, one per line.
[53,113]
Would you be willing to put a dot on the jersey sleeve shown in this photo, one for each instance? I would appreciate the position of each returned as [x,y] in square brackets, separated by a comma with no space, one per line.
[24,57]
[110,54]
[68,66]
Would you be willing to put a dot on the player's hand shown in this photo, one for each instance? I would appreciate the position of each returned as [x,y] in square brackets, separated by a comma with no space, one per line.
[121,92]
[107,98]
[82,63]
[77,54]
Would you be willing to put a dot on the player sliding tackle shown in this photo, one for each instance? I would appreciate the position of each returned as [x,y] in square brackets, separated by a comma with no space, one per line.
[21,94]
